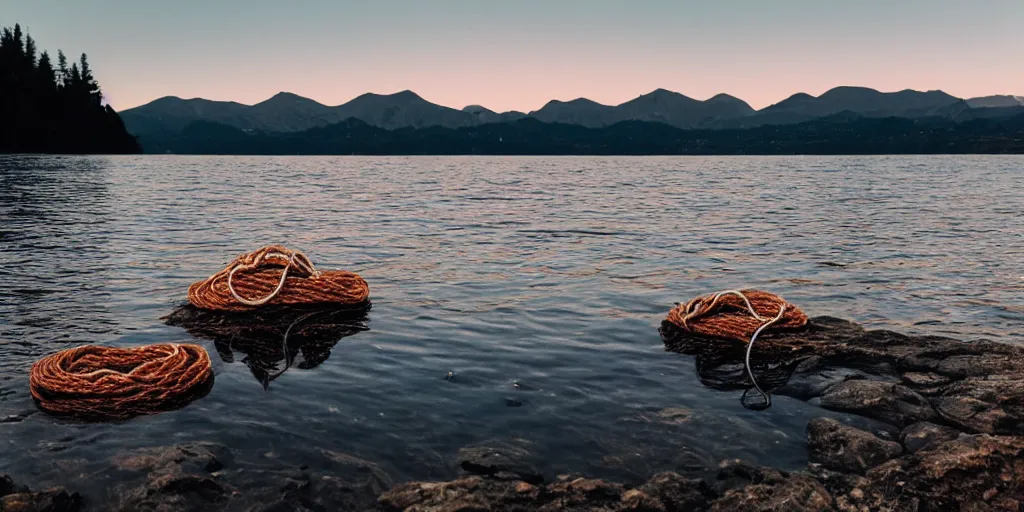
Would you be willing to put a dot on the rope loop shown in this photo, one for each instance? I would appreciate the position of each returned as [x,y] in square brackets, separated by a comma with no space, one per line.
[740,315]
[252,280]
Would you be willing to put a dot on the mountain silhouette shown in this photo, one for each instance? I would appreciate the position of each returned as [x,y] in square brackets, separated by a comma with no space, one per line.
[400,110]
[286,112]
[998,101]
[867,102]
[483,115]
[845,132]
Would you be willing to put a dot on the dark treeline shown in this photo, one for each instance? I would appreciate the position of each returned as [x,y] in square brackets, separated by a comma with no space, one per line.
[841,134]
[51,107]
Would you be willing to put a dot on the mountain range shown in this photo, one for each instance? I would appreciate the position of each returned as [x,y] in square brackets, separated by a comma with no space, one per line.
[287,112]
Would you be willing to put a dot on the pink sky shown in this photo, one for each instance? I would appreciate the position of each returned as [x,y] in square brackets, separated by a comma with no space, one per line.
[519,55]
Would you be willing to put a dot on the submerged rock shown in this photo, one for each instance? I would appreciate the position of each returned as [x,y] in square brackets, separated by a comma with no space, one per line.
[843,448]
[508,459]
[18,498]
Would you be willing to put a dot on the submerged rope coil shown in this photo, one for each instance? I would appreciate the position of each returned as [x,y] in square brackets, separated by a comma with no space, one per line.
[738,315]
[95,381]
[276,275]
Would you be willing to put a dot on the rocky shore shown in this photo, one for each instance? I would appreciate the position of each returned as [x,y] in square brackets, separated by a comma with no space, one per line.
[954,441]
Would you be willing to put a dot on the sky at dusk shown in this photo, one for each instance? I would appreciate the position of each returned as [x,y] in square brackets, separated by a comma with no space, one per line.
[518,54]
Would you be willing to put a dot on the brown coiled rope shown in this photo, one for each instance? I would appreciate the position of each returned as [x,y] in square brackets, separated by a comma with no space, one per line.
[276,275]
[94,381]
[736,315]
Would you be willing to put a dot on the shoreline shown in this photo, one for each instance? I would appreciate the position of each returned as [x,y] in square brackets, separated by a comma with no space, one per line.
[956,439]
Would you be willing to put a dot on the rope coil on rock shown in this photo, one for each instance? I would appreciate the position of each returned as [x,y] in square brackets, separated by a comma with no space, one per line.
[738,315]
[110,382]
[276,275]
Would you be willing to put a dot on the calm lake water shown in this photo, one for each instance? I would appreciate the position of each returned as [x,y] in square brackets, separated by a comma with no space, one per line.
[553,272]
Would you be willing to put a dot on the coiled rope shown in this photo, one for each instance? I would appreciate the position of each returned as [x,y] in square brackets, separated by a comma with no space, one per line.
[725,315]
[93,381]
[276,275]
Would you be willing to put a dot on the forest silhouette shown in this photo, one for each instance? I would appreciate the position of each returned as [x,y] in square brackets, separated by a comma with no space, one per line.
[48,107]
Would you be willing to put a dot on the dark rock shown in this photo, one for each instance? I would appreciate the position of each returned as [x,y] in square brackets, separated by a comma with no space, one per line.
[991,405]
[885,401]
[175,491]
[462,495]
[503,458]
[920,435]
[358,474]
[837,483]
[977,387]
[7,486]
[306,493]
[678,493]
[190,457]
[734,474]
[768,490]
[978,472]
[924,380]
[53,500]
[512,402]
[844,448]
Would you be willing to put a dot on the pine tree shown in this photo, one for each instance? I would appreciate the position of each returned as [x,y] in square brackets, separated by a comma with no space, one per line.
[88,82]
[44,72]
[74,78]
[18,44]
[43,111]
[30,51]
[62,68]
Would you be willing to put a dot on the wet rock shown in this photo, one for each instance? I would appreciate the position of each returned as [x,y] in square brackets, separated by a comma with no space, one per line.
[768,490]
[7,486]
[892,403]
[53,500]
[189,457]
[358,474]
[664,492]
[920,435]
[507,459]
[464,494]
[837,483]
[991,405]
[844,448]
[175,491]
[675,492]
[578,493]
[978,472]
[306,493]
[919,380]
[977,386]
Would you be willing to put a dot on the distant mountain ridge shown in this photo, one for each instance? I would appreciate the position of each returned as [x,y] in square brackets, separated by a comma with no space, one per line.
[843,133]
[287,112]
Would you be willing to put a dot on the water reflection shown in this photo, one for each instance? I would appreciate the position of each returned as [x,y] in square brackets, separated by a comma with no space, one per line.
[273,340]
[720,364]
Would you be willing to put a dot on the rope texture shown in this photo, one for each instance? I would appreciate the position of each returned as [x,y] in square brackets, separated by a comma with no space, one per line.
[110,382]
[276,275]
[736,315]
